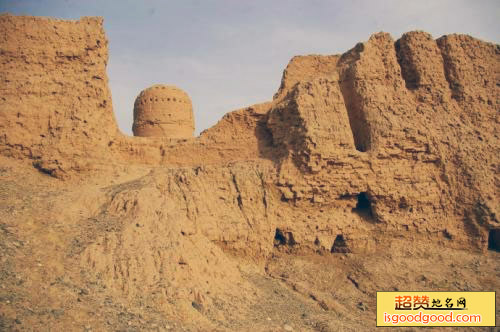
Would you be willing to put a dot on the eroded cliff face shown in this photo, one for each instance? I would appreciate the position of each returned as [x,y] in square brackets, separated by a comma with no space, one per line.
[393,144]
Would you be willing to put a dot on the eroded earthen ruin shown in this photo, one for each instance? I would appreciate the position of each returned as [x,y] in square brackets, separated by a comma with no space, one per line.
[390,146]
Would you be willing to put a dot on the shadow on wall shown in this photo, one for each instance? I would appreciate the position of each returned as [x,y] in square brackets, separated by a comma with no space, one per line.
[282,238]
[265,145]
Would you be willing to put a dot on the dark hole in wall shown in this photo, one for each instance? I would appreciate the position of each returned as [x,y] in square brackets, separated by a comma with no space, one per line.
[283,238]
[361,147]
[403,203]
[494,239]
[364,205]
[290,239]
[340,245]
[279,238]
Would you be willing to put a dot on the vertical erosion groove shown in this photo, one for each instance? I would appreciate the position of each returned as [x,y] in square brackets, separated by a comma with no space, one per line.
[356,114]
[408,71]
[449,70]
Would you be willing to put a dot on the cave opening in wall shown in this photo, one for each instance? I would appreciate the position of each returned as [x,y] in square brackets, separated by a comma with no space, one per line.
[279,238]
[340,245]
[494,239]
[283,238]
[364,205]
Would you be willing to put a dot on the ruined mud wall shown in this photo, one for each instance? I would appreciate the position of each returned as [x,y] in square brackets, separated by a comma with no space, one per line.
[55,101]
[389,146]
[56,106]
[424,131]
[391,137]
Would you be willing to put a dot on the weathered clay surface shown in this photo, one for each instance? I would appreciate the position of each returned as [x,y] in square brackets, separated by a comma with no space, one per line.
[363,163]
[55,100]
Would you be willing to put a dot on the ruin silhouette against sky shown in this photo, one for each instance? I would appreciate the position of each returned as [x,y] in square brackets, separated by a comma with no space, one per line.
[230,54]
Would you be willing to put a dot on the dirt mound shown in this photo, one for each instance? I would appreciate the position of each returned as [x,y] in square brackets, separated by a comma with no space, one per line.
[291,212]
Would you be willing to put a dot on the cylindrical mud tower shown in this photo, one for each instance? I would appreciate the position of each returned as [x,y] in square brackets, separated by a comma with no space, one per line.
[163,111]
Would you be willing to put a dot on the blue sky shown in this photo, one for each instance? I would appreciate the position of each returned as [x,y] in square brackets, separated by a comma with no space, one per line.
[231,54]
